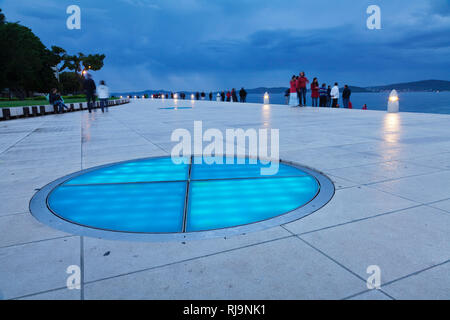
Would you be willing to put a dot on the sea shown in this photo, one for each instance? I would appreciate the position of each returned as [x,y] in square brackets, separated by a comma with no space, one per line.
[424,102]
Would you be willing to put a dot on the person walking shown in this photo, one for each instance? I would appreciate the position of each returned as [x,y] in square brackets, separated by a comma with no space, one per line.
[228,96]
[243,95]
[197,96]
[323,94]
[89,90]
[56,100]
[302,81]
[315,92]
[210,96]
[346,93]
[335,95]
[103,95]
[293,99]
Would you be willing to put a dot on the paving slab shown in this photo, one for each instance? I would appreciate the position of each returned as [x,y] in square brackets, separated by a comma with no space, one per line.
[431,284]
[348,205]
[294,271]
[104,258]
[400,243]
[37,267]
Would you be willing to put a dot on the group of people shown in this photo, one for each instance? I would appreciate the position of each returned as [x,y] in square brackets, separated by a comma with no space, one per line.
[229,96]
[91,91]
[321,95]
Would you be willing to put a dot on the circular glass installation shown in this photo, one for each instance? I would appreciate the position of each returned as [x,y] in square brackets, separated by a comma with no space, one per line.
[158,196]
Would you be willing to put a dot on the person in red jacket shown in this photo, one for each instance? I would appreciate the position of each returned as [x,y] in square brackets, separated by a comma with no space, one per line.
[302,81]
[315,92]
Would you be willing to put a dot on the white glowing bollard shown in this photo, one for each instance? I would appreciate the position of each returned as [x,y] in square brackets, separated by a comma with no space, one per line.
[393,103]
[192,97]
[163,96]
[266,98]
[175,96]
[218,98]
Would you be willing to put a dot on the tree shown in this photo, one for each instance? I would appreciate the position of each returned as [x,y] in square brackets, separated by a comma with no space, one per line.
[25,63]
[70,82]
[79,63]
[27,66]
[2,17]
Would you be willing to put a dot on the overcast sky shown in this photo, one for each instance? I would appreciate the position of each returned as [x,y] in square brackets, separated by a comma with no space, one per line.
[219,44]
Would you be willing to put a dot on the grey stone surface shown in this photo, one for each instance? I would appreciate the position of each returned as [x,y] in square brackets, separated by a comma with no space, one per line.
[37,267]
[431,284]
[293,271]
[385,168]
[371,295]
[400,243]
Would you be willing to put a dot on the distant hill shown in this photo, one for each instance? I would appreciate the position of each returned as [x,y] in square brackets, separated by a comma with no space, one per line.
[425,85]
[263,90]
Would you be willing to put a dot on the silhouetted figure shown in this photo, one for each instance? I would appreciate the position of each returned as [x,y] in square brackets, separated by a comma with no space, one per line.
[197,96]
[89,90]
[234,95]
[228,96]
[323,94]
[346,93]
[243,95]
[210,96]
[222,96]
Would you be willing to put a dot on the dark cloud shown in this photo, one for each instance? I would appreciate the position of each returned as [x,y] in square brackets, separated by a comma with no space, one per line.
[193,44]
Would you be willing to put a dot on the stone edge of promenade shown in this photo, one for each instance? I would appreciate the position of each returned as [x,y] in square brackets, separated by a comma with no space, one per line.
[36,111]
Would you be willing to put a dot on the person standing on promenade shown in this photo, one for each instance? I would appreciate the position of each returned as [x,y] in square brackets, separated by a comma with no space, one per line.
[197,96]
[293,99]
[329,97]
[323,96]
[243,95]
[301,84]
[222,96]
[234,95]
[335,95]
[228,96]
[103,95]
[89,90]
[286,95]
[346,96]
[315,92]
[210,96]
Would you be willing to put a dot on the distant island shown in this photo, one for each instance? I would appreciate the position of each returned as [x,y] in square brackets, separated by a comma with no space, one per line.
[416,86]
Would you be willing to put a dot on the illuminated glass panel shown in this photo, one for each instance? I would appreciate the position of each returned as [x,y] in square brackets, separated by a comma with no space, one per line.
[235,170]
[158,169]
[146,207]
[227,203]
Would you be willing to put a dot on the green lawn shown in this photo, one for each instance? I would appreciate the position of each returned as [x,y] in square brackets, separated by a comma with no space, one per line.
[27,103]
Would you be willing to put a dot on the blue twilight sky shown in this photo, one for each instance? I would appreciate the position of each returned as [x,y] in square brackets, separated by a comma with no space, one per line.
[218,44]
